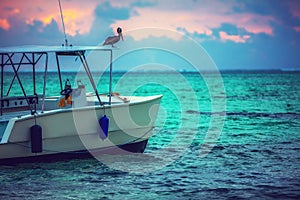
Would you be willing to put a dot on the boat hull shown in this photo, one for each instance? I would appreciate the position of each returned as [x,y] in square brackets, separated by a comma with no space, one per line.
[66,132]
[137,147]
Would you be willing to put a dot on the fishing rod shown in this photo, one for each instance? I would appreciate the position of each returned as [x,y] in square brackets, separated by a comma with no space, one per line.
[63,23]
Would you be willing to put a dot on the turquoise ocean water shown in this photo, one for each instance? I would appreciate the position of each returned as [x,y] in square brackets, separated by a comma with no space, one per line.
[255,156]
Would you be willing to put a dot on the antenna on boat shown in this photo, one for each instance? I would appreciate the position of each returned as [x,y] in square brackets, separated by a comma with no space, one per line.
[63,23]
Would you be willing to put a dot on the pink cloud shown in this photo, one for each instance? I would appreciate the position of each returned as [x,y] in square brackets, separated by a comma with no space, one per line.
[297,29]
[4,24]
[253,23]
[78,17]
[294,7]
[197,17]
[166,19]
[201,17]
[235,38]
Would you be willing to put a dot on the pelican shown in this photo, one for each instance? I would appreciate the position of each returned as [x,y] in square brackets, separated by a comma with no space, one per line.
[114,39]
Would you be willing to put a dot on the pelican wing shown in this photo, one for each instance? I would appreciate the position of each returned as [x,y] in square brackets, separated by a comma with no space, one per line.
[111,40]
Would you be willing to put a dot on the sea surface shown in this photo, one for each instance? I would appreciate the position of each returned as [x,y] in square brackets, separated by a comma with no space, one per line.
[229,136]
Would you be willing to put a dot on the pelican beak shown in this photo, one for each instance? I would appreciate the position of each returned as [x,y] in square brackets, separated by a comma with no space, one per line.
[122,36]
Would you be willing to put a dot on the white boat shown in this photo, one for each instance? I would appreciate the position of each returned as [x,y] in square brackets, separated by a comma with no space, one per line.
[34,127]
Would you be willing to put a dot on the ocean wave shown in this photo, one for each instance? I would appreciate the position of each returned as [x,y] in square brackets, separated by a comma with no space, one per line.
[287,115]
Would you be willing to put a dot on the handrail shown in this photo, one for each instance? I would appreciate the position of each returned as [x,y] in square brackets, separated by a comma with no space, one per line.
[16,102]
[19,80]
[45,80]
[87,69]
[110,77]
[9,59]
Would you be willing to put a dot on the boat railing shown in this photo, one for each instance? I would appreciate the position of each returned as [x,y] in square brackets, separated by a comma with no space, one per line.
[18,103]
[16,58]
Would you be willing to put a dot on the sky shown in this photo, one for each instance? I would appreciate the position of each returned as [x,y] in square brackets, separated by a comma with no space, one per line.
[236,34]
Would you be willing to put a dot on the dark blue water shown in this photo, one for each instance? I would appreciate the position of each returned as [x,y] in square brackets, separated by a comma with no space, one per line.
[255,156]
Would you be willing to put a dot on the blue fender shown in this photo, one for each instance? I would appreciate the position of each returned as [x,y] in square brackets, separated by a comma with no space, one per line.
[104,124]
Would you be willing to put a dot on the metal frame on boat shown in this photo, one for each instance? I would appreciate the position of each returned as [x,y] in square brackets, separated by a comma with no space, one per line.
[34,126]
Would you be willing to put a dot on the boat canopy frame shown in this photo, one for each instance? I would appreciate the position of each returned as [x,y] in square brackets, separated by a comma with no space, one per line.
[32,55]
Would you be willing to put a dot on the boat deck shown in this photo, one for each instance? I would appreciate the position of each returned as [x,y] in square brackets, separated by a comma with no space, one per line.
[51,103]
[7,116]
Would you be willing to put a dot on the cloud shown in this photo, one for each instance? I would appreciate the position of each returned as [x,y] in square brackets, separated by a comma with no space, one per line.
[4,24]
[229,26]
[140,34]
[198,17]
[235,38]
[110,13]
[36,32]
[78,17]
[294,7]
[192,17]
[297,29]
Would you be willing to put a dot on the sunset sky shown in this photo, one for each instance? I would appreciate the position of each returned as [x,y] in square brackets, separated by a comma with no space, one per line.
[237,34]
